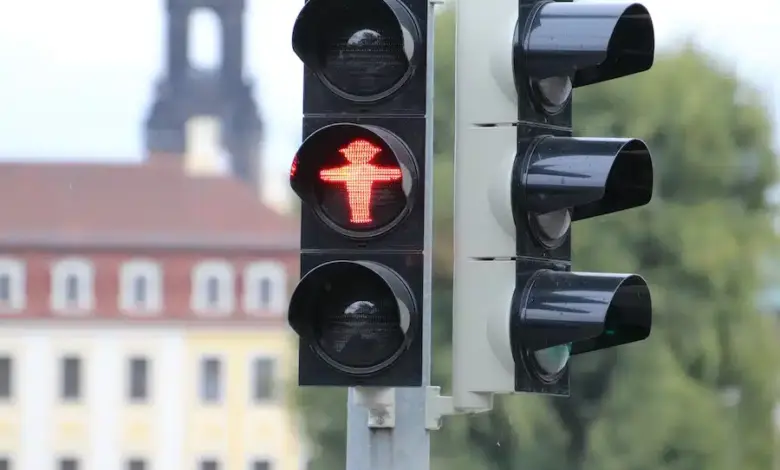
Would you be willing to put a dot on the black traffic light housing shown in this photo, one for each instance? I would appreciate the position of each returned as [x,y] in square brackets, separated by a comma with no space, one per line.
[388,76]
[558,179]
[360,174]
[591,177]
[379,345]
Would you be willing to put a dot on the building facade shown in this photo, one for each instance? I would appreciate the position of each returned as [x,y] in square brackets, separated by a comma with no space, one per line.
[142,322]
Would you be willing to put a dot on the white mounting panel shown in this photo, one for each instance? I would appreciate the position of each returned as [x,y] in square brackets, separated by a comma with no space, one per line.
[481,350]
[484,73]
[484,238]
[484,225]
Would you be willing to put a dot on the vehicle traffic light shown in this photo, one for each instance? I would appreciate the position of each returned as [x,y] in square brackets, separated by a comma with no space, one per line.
[360,175]
[521,179]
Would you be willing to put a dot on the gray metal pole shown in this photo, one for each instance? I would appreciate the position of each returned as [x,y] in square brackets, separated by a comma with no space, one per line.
[406,446]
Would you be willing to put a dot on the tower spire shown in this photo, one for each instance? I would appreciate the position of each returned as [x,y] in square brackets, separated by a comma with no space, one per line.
[184,92]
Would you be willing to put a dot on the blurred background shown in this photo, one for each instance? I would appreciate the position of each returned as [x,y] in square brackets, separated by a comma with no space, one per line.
[144,274]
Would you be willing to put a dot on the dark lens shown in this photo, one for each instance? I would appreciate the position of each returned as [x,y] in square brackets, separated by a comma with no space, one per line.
[364,55]
[358,330]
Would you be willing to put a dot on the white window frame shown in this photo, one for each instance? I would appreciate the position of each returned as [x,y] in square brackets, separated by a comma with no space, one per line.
[13,377]
[130,457]
[276,273]
[225,274]
[76,458]
[277,391]
[222,380]
[147,398]
[84,271]
[199,459]
[151,271]
[17,285]
[250,464]
[83,377]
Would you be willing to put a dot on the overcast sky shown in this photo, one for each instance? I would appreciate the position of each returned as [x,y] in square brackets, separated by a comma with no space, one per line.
[75,75]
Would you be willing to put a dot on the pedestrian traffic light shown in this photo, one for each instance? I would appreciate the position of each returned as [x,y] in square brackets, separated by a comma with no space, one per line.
[521,179]
[360,175]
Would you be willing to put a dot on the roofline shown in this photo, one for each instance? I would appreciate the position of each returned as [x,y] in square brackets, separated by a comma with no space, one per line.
[152,241]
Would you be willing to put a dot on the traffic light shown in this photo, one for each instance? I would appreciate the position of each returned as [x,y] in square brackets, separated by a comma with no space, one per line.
[360,175]
[521,179]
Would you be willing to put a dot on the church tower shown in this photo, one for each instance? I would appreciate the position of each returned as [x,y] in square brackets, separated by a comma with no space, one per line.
[185,92]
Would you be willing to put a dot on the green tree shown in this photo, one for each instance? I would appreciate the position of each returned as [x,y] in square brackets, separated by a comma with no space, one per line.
[660,403]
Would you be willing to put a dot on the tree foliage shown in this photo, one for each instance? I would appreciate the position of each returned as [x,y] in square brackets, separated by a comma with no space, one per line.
[657,404]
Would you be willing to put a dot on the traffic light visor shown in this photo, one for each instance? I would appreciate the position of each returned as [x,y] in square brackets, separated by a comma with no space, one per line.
[590,42]
[360,180]
[356,315]
[589,311]
[363,50]
[591,176]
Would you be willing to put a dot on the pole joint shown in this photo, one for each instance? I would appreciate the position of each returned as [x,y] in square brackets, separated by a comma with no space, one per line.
[380,404]
[438,406]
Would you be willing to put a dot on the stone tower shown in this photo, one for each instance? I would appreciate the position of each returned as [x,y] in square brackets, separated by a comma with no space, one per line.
[184,92]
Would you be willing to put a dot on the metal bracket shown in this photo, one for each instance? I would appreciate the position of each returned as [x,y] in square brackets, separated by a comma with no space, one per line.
[438,406]
[380,403]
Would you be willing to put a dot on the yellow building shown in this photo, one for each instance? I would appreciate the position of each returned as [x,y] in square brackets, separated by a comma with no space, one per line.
[211,396]
[244,423]
[144,330]
[142,306]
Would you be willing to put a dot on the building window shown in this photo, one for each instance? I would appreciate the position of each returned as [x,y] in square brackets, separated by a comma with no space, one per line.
[72,285]
[139,379]
[266,294]
[141,286]
[260,465]
[71,378]
[211,380]
[12,285]
[69,464]
[71,289]
[265,287]
[209,464]
[136,464]
[212,292]
[263,377]
[5,287]
[213,288]
[6,378]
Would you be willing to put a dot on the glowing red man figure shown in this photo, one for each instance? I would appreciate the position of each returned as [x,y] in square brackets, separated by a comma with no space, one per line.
[359,177]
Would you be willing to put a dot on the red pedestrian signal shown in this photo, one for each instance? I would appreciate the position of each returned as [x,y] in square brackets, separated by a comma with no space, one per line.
[359,177]
[360,180]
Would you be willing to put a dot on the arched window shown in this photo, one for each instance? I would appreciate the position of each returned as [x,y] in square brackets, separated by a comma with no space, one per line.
[140,288]
[205,39]
[265,287]
[266,293]
[213,288]
[72,286]
[5,287]
[212,291]
[12,285]
[72,289]
[141,283]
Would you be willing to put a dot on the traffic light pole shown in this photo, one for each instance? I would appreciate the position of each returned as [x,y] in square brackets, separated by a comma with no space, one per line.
[396,437]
